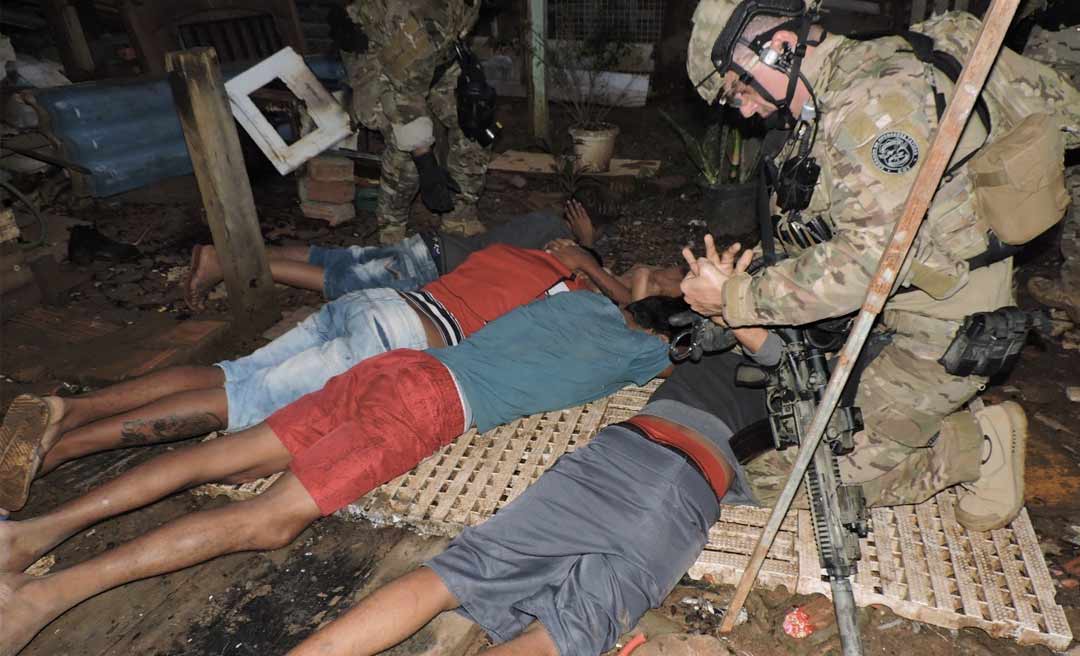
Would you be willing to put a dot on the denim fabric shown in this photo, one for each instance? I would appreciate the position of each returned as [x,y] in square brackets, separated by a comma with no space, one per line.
[406,265]
[331,341]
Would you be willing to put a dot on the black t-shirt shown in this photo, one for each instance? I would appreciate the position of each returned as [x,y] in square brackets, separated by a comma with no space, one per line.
[709,386]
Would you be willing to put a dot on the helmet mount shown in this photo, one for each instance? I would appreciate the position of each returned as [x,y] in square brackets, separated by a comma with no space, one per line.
[788,60]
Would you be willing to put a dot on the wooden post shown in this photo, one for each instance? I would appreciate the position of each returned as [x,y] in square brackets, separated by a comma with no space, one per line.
[71,39]
[537,69]
[965,92]
[214,146]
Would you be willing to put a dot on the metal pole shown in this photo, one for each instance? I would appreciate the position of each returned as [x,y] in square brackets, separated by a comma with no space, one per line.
[922,191]
[846,619]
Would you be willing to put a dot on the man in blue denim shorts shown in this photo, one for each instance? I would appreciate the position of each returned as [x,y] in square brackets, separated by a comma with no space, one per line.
[404,266]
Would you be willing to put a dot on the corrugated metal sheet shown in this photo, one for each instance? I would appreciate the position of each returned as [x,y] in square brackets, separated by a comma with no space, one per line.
[127,132]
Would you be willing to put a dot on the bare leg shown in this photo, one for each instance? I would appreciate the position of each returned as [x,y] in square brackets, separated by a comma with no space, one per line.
[396,611]
[288,266]
[250,453]
[535,641]
[80,410]
[384,618]
[270,521]
[174,417]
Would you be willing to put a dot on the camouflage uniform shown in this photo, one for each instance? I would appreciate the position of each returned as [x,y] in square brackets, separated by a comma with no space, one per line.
[1062,51]
[408,41]
[877,120]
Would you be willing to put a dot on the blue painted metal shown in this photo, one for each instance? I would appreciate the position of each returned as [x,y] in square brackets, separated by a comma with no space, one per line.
[127,132]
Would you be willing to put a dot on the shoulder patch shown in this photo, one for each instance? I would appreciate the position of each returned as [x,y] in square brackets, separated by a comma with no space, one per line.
[894,152]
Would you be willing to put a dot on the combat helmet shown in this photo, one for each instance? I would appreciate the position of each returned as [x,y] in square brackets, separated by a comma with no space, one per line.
[718,28]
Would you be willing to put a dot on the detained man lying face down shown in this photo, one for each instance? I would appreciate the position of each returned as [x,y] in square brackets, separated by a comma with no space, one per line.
[404,266]
[366,426]
[601,537]
[39,434]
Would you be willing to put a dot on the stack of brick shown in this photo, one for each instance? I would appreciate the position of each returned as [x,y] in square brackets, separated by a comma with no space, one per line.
[328,190]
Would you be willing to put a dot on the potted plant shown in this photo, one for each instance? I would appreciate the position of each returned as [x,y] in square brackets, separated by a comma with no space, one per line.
[730,188]
[585,83]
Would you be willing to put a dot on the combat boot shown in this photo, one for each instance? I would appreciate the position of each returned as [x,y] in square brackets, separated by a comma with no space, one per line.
[1055,294]
[391,234]
[464,220]
[996,497]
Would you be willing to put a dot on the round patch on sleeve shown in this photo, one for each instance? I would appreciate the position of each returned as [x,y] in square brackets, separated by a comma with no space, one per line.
[894,152]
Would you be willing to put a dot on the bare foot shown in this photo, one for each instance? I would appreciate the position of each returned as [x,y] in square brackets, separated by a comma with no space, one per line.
[205,273]
[22,615]
[15,552]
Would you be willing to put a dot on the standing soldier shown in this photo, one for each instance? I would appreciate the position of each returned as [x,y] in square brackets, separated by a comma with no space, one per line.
[862,115]
[403,67]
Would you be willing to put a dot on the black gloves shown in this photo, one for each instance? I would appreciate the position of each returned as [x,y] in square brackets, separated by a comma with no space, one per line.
[701,337]
[437,188]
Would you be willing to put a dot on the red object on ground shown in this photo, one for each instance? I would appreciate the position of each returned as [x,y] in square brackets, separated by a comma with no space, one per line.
[634,643]
[495,280]
[797,624]
[816,614]
[368,425]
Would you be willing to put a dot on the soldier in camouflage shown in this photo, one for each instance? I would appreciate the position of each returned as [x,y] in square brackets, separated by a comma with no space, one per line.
[1061,49]
[875,117]
[403,75]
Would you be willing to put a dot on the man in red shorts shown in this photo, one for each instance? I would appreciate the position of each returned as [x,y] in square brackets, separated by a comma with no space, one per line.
[363,428]
[39,434]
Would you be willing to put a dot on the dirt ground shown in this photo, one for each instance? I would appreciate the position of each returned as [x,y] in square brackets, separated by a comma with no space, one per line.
[259,603]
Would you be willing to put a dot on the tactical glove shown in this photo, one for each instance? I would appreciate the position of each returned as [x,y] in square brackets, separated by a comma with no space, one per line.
[437,188]
[700,337]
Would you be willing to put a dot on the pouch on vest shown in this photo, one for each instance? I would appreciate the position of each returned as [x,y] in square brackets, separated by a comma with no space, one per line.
[1018,180]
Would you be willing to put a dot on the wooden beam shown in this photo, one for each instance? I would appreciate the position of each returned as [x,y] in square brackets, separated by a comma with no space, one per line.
[214,147]
[965,92]
[75,54]
[537,70]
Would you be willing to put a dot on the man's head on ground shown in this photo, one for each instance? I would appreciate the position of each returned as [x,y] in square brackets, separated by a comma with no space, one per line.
[743,52]
[652,315]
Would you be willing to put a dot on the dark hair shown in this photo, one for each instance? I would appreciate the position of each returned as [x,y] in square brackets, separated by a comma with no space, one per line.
[652,313]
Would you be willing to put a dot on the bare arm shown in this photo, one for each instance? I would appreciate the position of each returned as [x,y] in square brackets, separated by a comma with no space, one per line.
[575,258]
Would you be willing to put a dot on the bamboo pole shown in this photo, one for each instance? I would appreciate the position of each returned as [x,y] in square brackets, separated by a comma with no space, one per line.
[965,92]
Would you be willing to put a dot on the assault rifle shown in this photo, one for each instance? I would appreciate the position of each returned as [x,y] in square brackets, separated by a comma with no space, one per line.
[793,391]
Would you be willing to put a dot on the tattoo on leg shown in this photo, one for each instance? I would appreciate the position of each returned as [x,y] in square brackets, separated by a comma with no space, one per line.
[137,432]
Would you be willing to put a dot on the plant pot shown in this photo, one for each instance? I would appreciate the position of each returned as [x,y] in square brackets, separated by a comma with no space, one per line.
[594,148]
[730,210]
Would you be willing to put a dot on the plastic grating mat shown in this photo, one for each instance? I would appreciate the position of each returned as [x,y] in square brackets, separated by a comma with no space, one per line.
[917,560]
[474,476]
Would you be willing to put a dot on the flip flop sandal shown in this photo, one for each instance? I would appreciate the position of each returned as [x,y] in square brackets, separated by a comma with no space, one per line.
[20,439]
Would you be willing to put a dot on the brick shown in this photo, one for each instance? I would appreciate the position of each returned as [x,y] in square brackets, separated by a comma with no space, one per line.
[327,191]
[332,213]
[330,169]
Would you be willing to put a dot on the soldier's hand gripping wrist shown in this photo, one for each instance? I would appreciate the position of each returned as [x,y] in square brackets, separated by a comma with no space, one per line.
[700,337]
[437,188]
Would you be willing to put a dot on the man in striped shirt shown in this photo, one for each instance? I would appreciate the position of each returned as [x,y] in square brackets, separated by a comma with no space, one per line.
[182,402]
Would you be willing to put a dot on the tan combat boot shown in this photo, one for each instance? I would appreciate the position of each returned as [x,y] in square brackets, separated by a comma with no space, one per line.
[391,234]
[1055,294]
[997,496]
[464,220]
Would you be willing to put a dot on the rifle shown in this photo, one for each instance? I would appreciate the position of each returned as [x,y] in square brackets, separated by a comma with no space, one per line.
[793,391]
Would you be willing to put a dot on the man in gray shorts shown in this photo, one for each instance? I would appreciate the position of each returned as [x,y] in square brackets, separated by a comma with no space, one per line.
[600,538]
